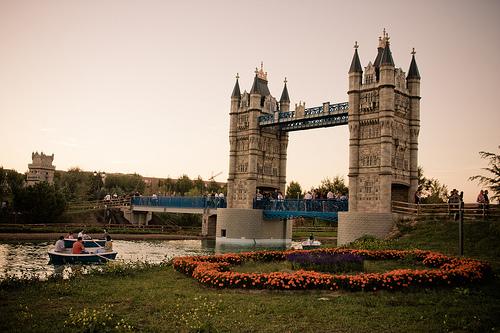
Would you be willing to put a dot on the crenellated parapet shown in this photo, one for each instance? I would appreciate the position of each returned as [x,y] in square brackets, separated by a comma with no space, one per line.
[41,169]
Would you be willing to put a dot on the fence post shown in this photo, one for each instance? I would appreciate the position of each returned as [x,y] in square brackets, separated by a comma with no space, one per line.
[461,230]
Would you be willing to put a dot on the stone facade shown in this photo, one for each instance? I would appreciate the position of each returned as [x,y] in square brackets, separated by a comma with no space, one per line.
[356,224]
[41,170]
[247,227]
[384,123]
[257,156]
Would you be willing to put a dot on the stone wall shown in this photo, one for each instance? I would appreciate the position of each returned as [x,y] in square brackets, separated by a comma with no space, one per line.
[353,225]
[247,227]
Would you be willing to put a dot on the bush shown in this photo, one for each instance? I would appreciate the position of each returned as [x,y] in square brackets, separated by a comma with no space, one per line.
[40,203]
[325,262]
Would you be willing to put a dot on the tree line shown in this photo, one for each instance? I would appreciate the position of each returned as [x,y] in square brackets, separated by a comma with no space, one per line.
[45,202]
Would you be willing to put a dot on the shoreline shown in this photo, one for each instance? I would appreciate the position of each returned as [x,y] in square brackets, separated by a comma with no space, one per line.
[54,236]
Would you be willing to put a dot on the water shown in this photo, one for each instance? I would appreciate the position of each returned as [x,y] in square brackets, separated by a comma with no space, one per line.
[21,258]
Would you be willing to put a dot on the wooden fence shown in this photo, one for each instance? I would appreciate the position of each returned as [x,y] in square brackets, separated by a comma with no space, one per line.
[470,210]
[74,207]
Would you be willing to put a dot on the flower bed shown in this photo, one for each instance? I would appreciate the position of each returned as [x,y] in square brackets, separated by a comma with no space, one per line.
[214,271]
[326,262]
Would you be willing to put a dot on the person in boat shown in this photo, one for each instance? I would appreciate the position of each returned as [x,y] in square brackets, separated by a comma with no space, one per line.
[83,235]
[70,235]
[108,246]
[105,234]
[78,247]
[60,245]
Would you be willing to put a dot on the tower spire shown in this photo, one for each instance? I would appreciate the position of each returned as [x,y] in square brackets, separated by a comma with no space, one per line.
[236,91]
[355,63]
[284,95]
[387,55]
[413,71]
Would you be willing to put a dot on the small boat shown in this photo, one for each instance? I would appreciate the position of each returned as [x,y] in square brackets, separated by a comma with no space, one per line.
[68,242]
[66,257]
[310,244]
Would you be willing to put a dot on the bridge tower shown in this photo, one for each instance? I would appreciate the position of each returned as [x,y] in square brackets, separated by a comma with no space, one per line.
[257,162]
[384,123]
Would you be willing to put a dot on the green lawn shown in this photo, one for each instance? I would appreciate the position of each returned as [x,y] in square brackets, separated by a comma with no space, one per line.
[158,299]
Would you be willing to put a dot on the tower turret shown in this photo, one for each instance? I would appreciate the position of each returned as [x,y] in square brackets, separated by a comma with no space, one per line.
[285,99]
[355,82]
[355,71]
[413,85]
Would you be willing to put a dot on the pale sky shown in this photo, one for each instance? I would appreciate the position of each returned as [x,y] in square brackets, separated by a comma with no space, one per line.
[144,86]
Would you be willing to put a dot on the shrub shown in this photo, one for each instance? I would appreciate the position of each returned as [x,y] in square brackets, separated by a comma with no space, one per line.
[325,262]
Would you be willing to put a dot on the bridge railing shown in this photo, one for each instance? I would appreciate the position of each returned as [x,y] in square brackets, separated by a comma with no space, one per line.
[180,202]
[469,210]
[302,205]
[97,204]
[317,111]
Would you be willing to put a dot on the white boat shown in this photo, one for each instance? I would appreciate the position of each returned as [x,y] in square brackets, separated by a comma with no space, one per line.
[310,244]
[93,257]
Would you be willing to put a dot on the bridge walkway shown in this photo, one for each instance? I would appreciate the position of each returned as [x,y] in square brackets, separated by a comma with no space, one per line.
[272,209]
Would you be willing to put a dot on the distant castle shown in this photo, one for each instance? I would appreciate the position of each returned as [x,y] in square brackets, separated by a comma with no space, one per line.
[41,170]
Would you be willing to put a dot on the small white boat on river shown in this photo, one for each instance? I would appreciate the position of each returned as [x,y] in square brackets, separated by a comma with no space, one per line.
[310,244]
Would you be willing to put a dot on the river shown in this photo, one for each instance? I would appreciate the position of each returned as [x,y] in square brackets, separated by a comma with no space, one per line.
[30,258]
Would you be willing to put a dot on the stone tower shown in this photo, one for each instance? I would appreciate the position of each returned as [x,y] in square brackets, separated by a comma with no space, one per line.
[257,157]
[257,162]
[384,123]
[41,170]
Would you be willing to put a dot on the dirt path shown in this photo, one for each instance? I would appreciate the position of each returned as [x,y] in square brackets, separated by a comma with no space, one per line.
[54,236]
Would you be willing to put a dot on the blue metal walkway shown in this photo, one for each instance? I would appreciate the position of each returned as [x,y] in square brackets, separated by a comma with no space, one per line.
[292,208]
[273,209]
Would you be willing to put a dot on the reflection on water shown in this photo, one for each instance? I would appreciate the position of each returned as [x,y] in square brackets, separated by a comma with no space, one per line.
[31,257]
[28,258]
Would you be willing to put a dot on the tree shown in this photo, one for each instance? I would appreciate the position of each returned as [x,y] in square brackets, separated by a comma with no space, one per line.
[493,181]
[294,190]
[213,187]
[10,181]
[184,184]
[125,184]
[40,203]
[199,185]
[432,190]
[336,185]
[74,183]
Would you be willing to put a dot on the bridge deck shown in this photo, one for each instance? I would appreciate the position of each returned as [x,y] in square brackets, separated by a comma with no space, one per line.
[272,209]
[327,115]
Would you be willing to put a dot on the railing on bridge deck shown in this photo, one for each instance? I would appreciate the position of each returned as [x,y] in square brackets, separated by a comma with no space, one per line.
[326,209]
[447,210]
[98,204]
[180,202]
[326,115]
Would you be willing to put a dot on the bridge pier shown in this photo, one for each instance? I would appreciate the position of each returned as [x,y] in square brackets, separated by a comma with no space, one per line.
[209,225]
[247,227]
[138,217]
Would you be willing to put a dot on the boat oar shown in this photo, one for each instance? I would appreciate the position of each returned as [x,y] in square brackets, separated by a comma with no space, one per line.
[100,256]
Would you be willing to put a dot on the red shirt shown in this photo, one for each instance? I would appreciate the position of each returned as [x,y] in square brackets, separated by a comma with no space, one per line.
[78,248]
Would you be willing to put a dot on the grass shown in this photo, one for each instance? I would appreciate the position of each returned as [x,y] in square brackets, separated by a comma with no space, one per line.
[158,299]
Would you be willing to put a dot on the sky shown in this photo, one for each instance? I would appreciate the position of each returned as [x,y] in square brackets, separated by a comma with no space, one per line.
[144,86]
